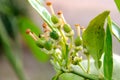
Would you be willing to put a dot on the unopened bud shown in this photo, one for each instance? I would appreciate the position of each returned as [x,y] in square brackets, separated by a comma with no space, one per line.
[78,41]
[67,28]
[54,35]
[48,45]
[40,43]
[55,19]
[77,60]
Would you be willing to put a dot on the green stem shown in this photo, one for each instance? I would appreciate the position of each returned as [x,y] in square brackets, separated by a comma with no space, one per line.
[67,58]
[57,75]
[88,58]
[71,38]
[56,59]
[82,67]
[66,50]
[64,39]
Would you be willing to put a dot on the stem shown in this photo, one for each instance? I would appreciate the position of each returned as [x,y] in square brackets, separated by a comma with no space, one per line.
[71,38]
[82,67]
[56,59]
[67,54]
[57,75]
[64,39]
[88,58]
[66,50]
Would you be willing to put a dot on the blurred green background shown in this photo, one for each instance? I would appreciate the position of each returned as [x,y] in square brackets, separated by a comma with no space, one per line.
[17,48]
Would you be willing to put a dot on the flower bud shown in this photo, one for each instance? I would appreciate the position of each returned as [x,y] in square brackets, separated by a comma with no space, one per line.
[78,41]
[58,54]
[78,48]
[77,60]
[40,43]
[67,28]
[48,45]
[86,51]
[54,35]
[54,19]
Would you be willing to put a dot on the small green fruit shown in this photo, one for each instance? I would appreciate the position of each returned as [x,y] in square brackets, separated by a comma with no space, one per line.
[54,19]
[67,28]
[78,41]
[48,45]
[54,35]
[40,43]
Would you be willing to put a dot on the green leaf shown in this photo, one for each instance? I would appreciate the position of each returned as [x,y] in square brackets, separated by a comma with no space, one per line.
[116,67]
[93,37]
[5,7]
[10,25]
[76,70]
[70,76]
[116,30]
[37,5]
[12,58]
[117,4]
[108,57]
[25,23]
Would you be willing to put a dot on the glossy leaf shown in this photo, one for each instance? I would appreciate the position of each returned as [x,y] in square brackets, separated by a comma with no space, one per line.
[24,24]
[13,59]
[70,76]
[93,37]
[116,30]
[108,57]
[117,4]
[37,5]
[116,67]
[76,70]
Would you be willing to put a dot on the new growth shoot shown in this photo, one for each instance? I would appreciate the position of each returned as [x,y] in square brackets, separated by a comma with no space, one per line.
[65,49]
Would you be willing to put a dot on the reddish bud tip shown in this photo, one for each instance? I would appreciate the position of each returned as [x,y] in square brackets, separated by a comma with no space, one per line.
[77,24]
[59,12]
[82,27]
[28,31]
[48,3]
[44,25]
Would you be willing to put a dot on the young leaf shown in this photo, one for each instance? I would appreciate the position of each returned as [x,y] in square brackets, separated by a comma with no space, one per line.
[116,30]
[25,23]
[108,57]
[93,37]
[117,4]
[37,5]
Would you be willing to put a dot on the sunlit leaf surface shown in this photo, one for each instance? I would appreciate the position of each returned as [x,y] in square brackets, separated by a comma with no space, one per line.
[93,37]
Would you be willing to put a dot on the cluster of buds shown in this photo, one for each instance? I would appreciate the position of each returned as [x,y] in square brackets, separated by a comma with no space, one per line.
[60,42]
